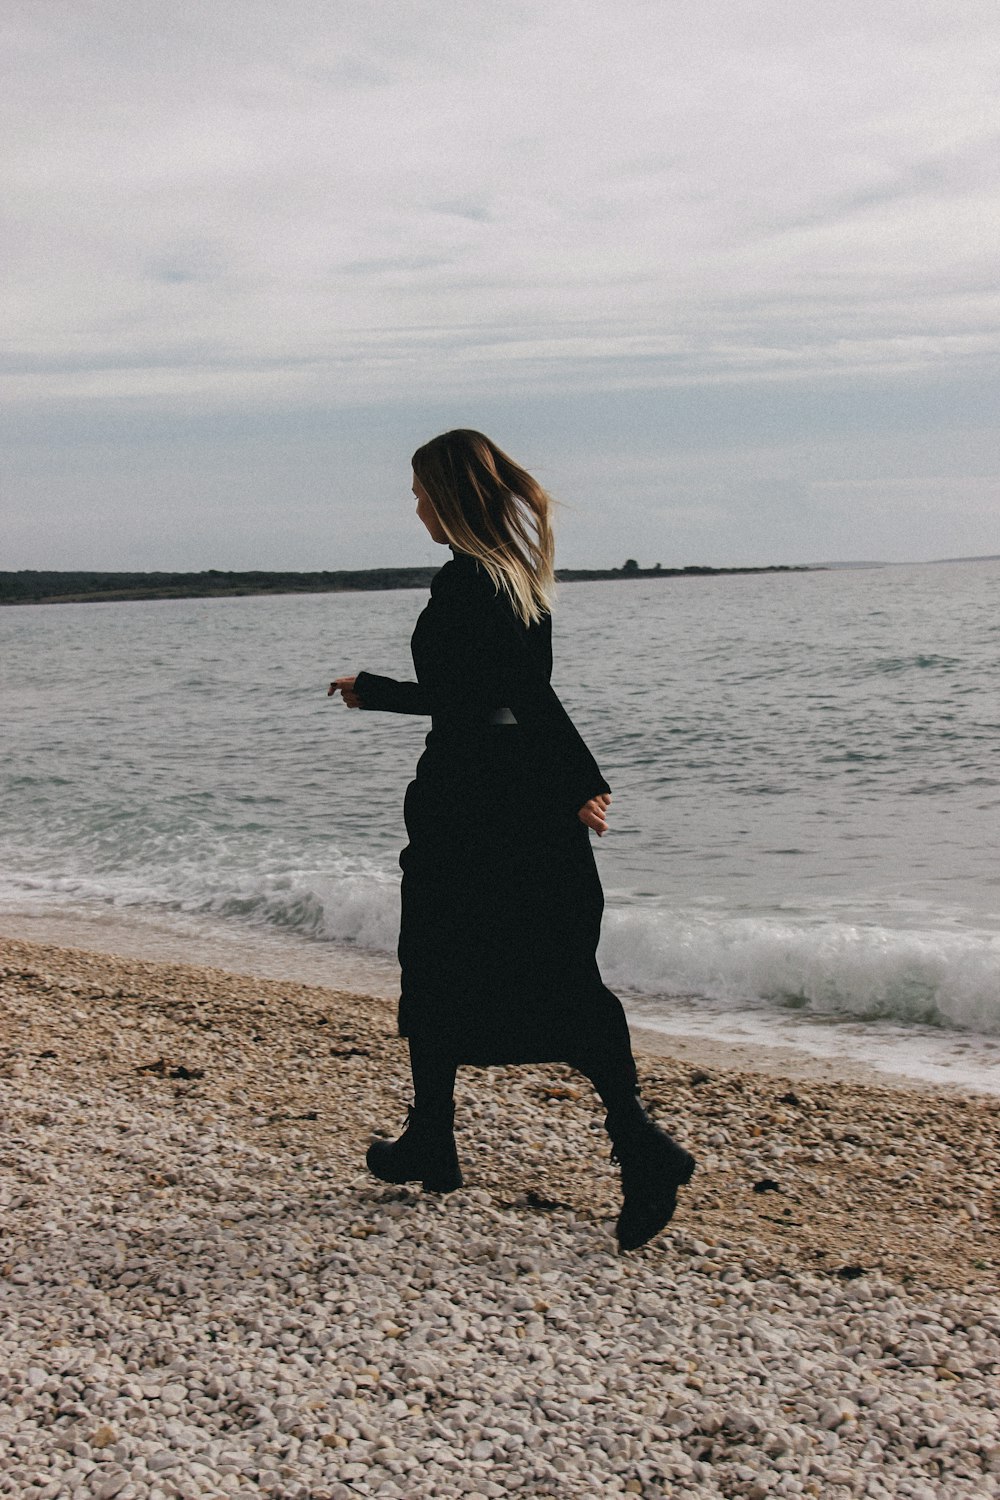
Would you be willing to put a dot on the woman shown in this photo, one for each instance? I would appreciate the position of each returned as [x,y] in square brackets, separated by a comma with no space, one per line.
[501,899]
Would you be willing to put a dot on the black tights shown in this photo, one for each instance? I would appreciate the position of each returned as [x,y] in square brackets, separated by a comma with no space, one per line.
[613,1076]
[433,1077]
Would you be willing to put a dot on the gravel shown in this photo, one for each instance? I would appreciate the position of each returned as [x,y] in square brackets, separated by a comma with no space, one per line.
[198,1304]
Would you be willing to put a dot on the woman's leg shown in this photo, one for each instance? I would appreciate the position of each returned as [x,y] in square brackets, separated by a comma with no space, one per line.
[615,1080]
[433,1078]
[610,1066]
[426,1150]
[653,1165]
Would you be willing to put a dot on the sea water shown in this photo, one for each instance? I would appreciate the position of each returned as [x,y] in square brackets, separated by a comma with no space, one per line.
[806,776]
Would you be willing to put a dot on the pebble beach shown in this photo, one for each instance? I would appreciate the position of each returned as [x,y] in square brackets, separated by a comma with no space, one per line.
[204,1293]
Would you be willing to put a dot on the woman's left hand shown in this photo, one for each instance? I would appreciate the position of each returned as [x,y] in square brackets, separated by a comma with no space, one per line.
[594,813]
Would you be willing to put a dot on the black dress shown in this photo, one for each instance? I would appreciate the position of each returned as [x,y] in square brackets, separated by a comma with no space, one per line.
[501,899]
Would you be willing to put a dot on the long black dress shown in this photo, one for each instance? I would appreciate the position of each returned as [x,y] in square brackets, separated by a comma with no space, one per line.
[501,899]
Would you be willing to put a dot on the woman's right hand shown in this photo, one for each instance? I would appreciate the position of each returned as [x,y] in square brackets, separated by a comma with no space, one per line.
[345,687]
[594,813]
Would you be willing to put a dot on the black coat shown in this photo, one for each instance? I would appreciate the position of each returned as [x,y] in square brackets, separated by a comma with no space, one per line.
[501,899]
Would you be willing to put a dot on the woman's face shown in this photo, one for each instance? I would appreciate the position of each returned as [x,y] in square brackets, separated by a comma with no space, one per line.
[427,513]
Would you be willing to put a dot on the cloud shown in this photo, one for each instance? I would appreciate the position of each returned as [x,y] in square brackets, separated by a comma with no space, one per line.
[306,206]
[544,183]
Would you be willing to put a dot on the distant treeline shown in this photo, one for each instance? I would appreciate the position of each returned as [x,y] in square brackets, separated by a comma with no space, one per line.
[29,586]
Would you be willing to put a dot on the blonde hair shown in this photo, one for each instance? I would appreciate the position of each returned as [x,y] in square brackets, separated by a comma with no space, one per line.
[492,509]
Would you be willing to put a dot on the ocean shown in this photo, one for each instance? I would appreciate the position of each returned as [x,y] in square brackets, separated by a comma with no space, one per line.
[806,814]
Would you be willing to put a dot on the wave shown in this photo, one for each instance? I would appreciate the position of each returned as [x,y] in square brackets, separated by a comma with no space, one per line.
[356,903]
[817,965]
[359,909]
[823,968]
[892,665]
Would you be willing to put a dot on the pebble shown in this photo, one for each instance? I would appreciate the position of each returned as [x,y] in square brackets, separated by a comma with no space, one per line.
[111,1486]
[233,1333]
[162,1460]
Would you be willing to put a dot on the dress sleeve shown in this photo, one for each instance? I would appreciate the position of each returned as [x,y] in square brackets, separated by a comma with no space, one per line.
[567,764]
[390,696]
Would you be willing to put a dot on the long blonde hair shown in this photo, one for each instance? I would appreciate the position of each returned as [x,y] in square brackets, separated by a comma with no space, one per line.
[493,509]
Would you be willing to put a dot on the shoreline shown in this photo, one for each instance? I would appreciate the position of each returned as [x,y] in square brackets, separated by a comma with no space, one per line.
[267,954]
[206,1294]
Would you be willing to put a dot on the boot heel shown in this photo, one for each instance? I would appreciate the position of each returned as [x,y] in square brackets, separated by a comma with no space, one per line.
[685,1166]
[445,1181]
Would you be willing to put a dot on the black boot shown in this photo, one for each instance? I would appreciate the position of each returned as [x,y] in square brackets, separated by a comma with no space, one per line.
[425,1152]
[653,1167]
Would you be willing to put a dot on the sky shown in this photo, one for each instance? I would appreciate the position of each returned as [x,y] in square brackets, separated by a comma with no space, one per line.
[723,276]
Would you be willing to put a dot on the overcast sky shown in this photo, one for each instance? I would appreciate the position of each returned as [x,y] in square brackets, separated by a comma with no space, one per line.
[723,275]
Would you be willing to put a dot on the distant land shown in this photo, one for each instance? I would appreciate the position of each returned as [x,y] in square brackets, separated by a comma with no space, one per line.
[933,562]
[30,586]
[831,566]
